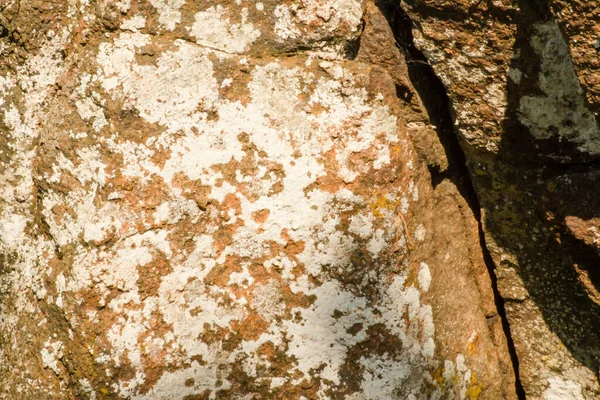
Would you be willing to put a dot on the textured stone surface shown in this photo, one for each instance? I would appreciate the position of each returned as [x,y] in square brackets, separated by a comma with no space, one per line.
[521,78]
[223,200]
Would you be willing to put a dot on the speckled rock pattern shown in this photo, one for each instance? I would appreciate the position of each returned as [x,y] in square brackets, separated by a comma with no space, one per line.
[229,200]
[522,77]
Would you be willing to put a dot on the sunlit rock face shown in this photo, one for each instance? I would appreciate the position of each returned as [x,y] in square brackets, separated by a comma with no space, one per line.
[223,200]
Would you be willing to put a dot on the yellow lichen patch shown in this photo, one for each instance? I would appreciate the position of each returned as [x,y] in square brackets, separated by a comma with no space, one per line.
[474,389]
[438,376]
[382,203]
[471,348]
[472,343]
[411,278]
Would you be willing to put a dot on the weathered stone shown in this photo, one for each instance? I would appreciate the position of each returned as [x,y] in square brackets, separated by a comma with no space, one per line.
[519,75]
[233,200]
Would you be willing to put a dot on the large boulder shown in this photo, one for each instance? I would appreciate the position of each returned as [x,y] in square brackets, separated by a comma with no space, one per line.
[231,200]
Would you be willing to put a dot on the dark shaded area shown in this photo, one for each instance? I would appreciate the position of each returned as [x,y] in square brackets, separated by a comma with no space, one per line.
[438,105]
[524,220]
[353,47]
[560,272]
[433,96]
[528,188]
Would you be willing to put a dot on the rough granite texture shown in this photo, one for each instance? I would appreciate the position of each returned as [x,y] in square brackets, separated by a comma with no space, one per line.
[230,200]
[522,77]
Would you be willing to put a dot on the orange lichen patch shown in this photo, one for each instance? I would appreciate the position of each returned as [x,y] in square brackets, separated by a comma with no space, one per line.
[59,211]
[279,294]
[124,183]
[205,395]
[150,197]
[92,300]
[254,175]
[261,274]
[251,328]
[94,335]
[161,156]
[292,248]
[316,109]
[261,216]
[223,237]
[295,300]
[150,275]
[331,182]
[154,353]
[232,202]
[236,79]
[194,312]
[285,235]
[193,190]
[267,349]
[220,274]
[68,182]
[181,235]
[217,334]
[362,161]
[127,125]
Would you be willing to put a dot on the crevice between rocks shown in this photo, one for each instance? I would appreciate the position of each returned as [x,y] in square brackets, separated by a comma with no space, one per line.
[435,99]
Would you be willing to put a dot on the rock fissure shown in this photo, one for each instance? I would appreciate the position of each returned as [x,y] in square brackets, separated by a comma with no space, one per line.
[435,99]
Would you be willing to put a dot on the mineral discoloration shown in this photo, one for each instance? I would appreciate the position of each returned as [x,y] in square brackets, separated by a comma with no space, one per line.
[186,219]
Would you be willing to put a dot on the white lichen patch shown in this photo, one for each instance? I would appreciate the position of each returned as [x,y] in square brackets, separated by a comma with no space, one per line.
[560,389]
[25,253]
[134,24]
[12,231]
[424,277]
[362,225]
[383,377]
[213,28]
[561,111]
[180,82]
[322,339]
[176,210]
[51,354]
[87,388]
[89,106]
[314,20]
[420,232]
[168,11]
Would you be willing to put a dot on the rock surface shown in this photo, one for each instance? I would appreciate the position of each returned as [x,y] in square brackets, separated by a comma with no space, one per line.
[522,79]
[248,200]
